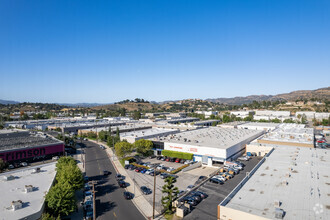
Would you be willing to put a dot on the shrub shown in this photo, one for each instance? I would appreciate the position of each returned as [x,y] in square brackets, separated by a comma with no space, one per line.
[177,154]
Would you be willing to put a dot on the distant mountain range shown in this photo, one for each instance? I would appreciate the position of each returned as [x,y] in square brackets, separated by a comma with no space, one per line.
[320,94]
[6,102]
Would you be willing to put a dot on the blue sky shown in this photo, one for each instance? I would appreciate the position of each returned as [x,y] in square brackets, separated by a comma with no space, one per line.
[104,51]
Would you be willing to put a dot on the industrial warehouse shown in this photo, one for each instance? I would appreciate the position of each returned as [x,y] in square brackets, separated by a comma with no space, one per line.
[23,192]
[289,183]
[211,145]
[19,146]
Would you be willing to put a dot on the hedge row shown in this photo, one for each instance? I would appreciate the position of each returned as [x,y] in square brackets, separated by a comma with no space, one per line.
[179,169]
[176,154]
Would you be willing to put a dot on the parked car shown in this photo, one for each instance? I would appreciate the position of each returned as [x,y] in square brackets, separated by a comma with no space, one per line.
[149,171]
[143,171]
[223,179]
[202,194]
[85,139]
[126,166]
[24,164]
[173,175]
[190,200]
[163,159]
[88,193]
[159,157]
[190,187]
[172,159]
[160,167]
[215,180]
[86,179]
[128,195]
[177,160]
[168,159]
[243,158]
[152,156]
[55,158]
[182,161]
[122,183]
[155,172]
[106,173]
[11,166]
[170,169]
[187,162]
[163,175]
[131,167]
[138,169]
[119,177]
[145,190]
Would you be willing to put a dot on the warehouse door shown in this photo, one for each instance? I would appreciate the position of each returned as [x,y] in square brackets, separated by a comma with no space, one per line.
[205,159]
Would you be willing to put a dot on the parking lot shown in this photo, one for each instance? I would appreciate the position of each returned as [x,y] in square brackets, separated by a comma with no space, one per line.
[207,209]
[183,181]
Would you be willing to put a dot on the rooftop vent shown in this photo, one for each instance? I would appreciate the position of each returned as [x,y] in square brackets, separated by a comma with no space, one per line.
[279,213]
[28,188]
[16,205]
[284,182]
[277,203]
[9,177]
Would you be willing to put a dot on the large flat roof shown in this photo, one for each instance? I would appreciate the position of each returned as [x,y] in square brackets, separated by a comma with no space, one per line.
[294,133]
[259,124]
[148,132]
[214,137]
[24,139]
[12,190]
[120,127]
[298,178]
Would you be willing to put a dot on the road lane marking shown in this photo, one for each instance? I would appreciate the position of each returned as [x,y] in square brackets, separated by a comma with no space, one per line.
[114,214]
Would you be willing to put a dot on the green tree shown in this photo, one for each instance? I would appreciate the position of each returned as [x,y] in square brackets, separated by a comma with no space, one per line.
[117,133]
[123,148]
[71,174]
[63,162]
[171,193]
[47,216]
[143,146]
[2,164]
[136,115]
[60,199]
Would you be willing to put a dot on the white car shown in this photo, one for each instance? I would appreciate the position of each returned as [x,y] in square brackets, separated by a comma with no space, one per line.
[11,166]
[243,158]
[223,179]
[187,162]
[149,171]
[160,167]
[55,158]
[24,164]
[170,169]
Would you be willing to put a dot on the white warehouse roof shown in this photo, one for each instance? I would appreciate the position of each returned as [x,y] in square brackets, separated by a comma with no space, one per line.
[13,190]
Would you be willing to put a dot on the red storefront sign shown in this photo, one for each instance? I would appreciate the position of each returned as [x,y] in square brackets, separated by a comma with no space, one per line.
[31,152]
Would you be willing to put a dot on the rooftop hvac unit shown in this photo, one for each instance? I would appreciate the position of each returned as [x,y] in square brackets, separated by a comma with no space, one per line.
[277,203]
[16,205]
[9,177]
[279,213]
[28,188]
[287,175]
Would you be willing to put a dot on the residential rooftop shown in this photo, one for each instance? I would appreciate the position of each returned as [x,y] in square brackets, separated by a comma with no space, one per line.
[14,190]
[296,178]
[24,139]
[214,137]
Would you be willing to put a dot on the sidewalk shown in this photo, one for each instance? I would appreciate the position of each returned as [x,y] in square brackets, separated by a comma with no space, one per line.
[139,201]
[79,194]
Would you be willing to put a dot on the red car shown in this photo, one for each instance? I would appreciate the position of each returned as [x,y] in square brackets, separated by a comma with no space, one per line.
[320,141]
[177,160]
[138,169]
[167,159]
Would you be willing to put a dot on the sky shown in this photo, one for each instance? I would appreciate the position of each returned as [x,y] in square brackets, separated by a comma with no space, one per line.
[71,51]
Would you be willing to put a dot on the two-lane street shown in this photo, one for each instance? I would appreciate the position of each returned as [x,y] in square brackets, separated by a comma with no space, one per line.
[110,202]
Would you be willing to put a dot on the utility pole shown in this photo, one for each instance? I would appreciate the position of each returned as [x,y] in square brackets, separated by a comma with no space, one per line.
[94,205]
[153,203]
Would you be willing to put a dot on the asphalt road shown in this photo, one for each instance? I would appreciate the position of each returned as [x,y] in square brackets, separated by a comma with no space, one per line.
[110,203]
